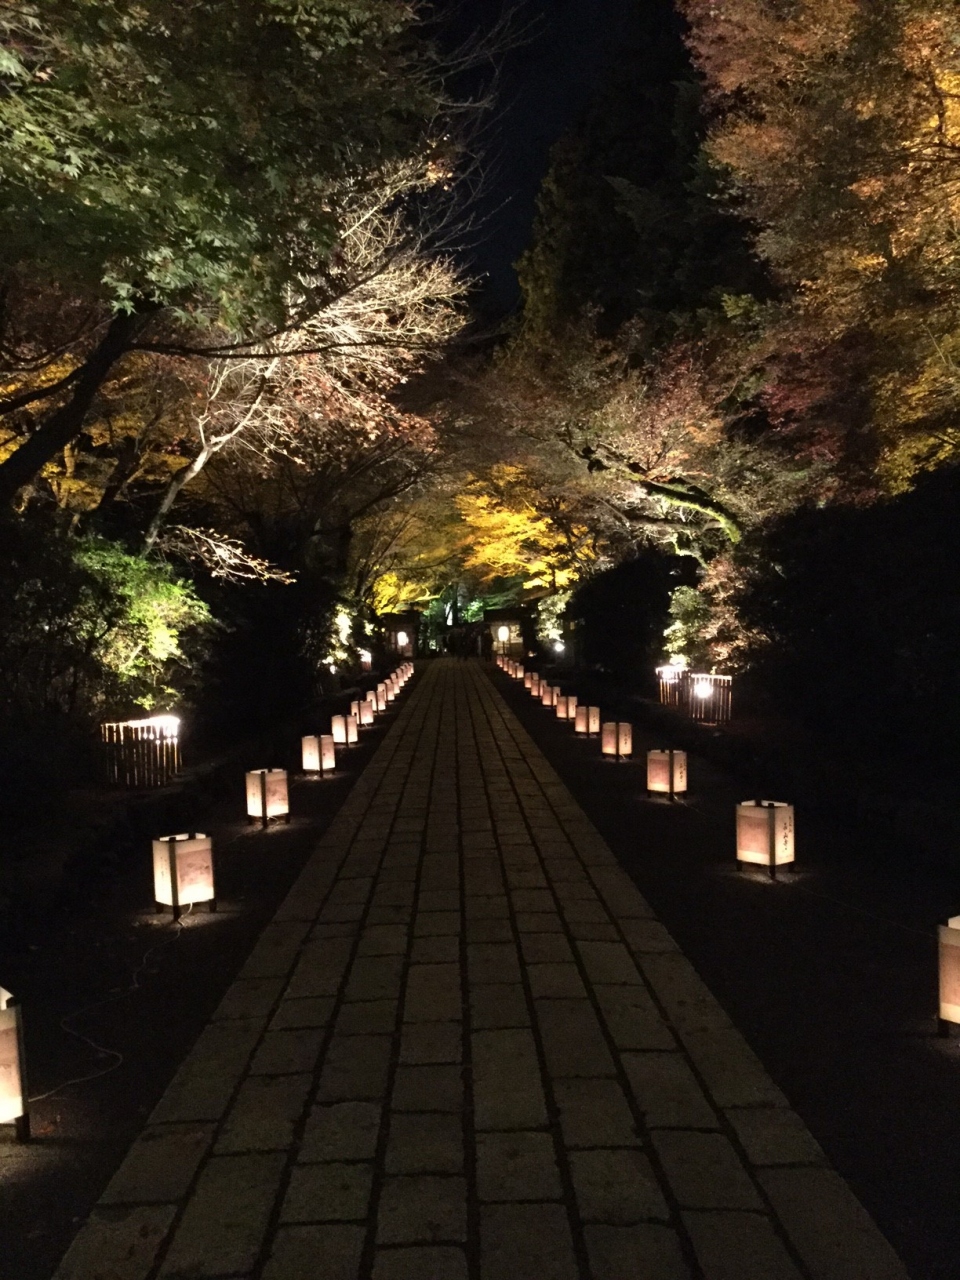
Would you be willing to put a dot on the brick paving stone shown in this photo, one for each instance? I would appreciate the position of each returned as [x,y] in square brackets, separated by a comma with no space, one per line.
[309,1253]
[422,1208]
[420,1264]
[645,1252]
[226,1217]
[597,1086]
[730,1246]
[160,1165]
[425,1143]
[341,1131]
[517,1166]
[703,1170]
[528,1240]
[328,1193]
[616,1186]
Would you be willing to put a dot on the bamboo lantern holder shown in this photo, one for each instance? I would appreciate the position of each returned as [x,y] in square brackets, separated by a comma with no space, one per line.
[667,773]
[338,730]
[765,834]
[353,731]
[949,948]
[13,1069]
[367,713]
[593,721]
[267,795]
[580,720]
[183,872]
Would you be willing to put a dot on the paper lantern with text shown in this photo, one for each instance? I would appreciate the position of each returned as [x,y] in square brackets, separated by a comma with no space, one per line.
[562,707]
[183,872]
[520,673]
[13,1074]
[353,733]
[580,720]
[616,739]
[949,942]
[338,729]
[624,740]
[667,773]
[593,721]
[267,795]
[310,753]
[765,834]
[571,706]
[328,754]
[367,712]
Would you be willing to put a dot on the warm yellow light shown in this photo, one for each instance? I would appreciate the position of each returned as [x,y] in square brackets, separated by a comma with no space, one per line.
[310,753]
[503,634]
[355,710]
[13,1104]
[328,754]
[338,729]
[352,730]
[616,739]
[367,712]
[366,658]
[765,833]
[402,639]
[593,720]
[580,720]
[267,795]
[183,871]
[702,688]
[949,940]
[667,772]
[608,738]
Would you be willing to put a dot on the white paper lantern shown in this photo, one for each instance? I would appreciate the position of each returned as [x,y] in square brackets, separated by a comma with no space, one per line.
[367,713]
[616,739]
[519,674]
[535,685]
[183,872]
[353,732]
[608,738]
[267,795]
[667,773]
[13,1075]
[338,729]
[593,721]
[355,710]
[527,679]
[310,753]
[949,941]
[561,705]
[624,740]
[765,833]
[381,699]
[571,706]
[503,634]
[580,720]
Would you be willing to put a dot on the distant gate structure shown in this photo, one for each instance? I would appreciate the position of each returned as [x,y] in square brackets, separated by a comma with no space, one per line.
[141,753]
[701,695]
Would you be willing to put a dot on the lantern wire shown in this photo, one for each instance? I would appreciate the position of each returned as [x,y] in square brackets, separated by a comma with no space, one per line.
[134,985]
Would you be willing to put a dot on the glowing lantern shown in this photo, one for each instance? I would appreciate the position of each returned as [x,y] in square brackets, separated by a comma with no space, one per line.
[310,753]
[593,721]
[580,720]
[366,659]
[353,732]
[667,772]
[503,634]
[520,674]
[534,685]
[183,872]
[572,707]
[390,689]
[338,729]
[562,705]
[765,833]
[355,710]
[381,698]
[949,935]
[402,639]
[616,739]
[13,1075]
[546,694]
[267,795]
[367,712]
[328,754]
[527,679]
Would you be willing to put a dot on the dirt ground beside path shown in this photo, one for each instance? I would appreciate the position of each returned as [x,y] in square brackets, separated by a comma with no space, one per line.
[830,974]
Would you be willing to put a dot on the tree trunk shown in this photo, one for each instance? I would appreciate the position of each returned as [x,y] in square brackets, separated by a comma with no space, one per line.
[67,422]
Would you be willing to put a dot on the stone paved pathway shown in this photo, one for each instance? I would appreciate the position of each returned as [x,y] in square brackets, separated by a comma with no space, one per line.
[465,1049]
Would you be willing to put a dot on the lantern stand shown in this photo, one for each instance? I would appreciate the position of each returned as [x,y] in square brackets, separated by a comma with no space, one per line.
[772,809]
[948,1011]
[264,817]
[171,851]
[11,1020]
[676,762]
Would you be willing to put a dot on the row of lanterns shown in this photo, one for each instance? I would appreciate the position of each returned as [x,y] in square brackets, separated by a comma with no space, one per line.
[765,828]
[183,869]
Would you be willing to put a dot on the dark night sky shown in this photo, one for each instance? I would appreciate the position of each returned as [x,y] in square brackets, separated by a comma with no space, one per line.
[546,83]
